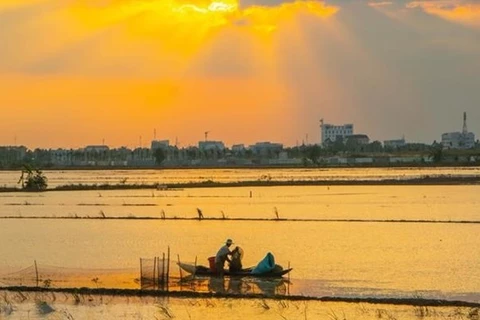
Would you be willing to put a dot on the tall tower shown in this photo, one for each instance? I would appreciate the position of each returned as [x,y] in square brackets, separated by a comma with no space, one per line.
[465,130]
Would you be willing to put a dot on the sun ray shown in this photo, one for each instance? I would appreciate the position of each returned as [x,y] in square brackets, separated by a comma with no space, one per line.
[172,59]
[165,18]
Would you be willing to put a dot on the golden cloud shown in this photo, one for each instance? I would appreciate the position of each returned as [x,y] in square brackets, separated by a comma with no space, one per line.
[191,13]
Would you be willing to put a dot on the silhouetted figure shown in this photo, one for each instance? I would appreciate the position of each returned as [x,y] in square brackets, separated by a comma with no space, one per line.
[200,214]
[222,256]
[236,260]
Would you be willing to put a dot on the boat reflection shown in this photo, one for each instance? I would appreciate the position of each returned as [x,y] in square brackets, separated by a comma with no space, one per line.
[236,285]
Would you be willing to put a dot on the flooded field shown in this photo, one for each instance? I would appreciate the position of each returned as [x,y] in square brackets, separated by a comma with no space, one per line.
[432,203]
[342,241]
[172,176]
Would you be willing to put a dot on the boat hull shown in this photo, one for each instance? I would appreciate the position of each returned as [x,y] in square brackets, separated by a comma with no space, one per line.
[204,271]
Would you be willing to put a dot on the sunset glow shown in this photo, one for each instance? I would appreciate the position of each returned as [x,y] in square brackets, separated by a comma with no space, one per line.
[193,19]
[88,67]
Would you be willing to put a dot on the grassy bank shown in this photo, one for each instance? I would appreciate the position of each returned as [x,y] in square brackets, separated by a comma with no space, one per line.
[427,180]
[122,305]
[416,301]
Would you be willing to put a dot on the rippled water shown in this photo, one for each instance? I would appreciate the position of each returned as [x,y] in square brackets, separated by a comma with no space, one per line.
[373,246]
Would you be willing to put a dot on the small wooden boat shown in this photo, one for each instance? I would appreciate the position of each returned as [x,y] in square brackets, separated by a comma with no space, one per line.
[246,272]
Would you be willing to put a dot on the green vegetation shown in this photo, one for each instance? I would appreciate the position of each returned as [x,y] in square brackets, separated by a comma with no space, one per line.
[32,179]
[47,283]
[437,155]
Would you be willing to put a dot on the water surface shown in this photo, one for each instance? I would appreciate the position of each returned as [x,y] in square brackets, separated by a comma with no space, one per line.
[170,176]
[356,241]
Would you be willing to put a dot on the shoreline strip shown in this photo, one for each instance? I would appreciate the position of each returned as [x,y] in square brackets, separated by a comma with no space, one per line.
[243,219]
[203,295]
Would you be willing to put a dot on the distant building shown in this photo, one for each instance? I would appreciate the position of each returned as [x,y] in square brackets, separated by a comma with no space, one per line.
[211,145]
[238,148]
[459,140]
[266,148]
[12,154]
[358,138]
[61,157]
[331,133]
[160,144]
[96,148]
[394,144]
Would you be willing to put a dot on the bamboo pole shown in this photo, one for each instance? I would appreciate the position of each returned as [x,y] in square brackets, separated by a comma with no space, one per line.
[288,284]
[289,272]
[159,276]
[141,273]
[179,268]
[36,271]
[154,269]
[168,267]
[195,272]
[163,271]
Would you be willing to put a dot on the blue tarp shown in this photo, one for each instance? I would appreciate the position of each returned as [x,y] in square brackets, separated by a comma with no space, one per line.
[266,265]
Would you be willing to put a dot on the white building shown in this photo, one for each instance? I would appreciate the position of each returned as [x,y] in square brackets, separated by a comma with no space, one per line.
[332,132]
[459,140]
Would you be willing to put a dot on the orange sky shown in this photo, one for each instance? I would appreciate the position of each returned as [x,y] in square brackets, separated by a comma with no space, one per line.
[79,72]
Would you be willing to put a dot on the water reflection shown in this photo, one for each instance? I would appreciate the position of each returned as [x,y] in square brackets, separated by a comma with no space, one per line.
[236,285]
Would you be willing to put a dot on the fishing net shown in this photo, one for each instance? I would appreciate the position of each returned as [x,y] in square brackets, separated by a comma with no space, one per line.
[154,272]
[23,277]
[40,275]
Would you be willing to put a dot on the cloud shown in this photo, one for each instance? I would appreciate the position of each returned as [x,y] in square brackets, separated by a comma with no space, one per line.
[380,3]
[265,3]
[464,12]
[135,37]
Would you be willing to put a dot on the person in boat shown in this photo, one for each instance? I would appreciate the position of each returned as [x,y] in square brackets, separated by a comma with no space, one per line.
[236,260]
[222,256]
